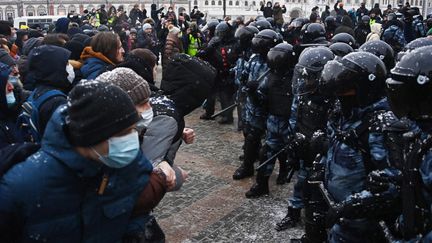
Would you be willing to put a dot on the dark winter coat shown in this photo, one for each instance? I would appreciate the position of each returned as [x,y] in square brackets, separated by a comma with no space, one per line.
[147,41]
[136,14]
[278,14]
[95,63]
[9,133]
[267,10]
[345,27]
[53,195]
[49,77]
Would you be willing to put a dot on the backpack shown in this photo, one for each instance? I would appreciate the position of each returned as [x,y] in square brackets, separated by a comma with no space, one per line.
[28,120]
[390,36]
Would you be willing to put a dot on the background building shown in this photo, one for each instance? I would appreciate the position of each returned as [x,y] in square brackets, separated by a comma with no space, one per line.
[10,9]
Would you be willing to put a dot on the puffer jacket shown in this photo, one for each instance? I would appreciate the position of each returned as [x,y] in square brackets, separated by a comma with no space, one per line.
[375,34]
[173,45]
[53,195]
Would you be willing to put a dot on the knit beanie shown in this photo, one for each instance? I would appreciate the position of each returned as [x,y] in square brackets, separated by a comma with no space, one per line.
[98,111]
[129,81]
[62,25]
[147,26]
[174,30]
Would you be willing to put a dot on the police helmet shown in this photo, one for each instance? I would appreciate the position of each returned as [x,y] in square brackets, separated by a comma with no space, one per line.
[245,35]
[312,33]
[340,49]
[270,20]
[263,24]
[308,69]
[265,40]
[409,87]
[382,50]
[281,57]
[223,30]
[362,72]
[330,21]
[417,43]
[345,38]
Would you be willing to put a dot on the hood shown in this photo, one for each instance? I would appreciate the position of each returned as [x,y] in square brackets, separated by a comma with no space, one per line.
[89,53]
[54,74]
[141,67]
[6,58]
[346,20]
[76,48]
[30,44]
[62,25]
[4,75]
[153,6]
[376,28]
[57,145]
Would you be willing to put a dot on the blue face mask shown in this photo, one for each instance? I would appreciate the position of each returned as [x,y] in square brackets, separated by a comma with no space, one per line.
[10,99]
[122,150]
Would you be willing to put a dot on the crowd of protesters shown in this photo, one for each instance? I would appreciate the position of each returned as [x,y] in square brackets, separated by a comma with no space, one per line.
[88,137]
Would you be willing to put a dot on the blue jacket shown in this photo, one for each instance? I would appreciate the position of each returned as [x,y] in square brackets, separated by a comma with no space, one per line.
[93,67]
[53,195]
[345,166]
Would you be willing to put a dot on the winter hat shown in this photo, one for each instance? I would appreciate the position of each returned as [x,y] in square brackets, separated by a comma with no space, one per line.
[103,28]
[133,84]
[172,29]
[73,31]
[75,47]
[98,111]
[147,26]
[62,25]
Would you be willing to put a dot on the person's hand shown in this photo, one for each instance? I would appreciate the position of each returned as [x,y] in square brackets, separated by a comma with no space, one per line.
[188,135]
[169,173]
[188,31]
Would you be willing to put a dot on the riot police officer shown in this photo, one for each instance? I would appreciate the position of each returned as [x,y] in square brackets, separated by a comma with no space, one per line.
[275,95]
[254,116]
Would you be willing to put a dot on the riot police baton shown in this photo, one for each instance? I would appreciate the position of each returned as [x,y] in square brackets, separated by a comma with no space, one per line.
[327,197]
[222,111]
[290,174]
[273,156]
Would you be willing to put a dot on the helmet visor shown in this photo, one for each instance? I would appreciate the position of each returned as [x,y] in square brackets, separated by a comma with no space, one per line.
[305,80]
[336,79]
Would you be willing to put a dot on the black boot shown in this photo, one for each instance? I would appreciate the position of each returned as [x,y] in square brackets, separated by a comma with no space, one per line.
[243,171]
[260,188]
[290,220]
[206,116]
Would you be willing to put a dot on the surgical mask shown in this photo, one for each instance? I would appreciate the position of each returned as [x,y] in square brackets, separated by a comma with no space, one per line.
[10,99]
[146,119]
[13,38]
[70,72]
[122,150]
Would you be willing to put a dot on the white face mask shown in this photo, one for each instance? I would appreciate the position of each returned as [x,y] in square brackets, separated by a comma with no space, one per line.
[146,119]
[71,73]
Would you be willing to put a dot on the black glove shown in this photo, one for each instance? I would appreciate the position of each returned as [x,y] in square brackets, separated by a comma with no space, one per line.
[252,86]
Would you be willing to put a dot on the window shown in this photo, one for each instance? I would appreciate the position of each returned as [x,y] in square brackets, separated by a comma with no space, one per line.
[237,3]
[246,3]
[219,3]
[230,3]
[357,1]
[348,1]
[206,3]
[10,13]
[253,3]
[41,10]
[195,2]
[213,3]
[1,14]
[71,9]
[30,10]
[61,10]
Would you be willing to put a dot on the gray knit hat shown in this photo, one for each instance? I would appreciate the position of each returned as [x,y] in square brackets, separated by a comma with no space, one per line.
[133,84]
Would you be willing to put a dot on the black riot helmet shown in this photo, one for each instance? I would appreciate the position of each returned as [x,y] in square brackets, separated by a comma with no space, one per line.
[223,30]
[365,20]
[265,40]
[281,58]
[409,87]
[345,38]
[245,35]
[211,24]
[312,33]
[414,44]
[382,50]
[340,49]
[263,24]
[361,72]
[330,22]
[308,69]
[270,20]
[298,22]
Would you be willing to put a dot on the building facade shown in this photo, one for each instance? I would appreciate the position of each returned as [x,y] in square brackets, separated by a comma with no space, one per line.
[10,9]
